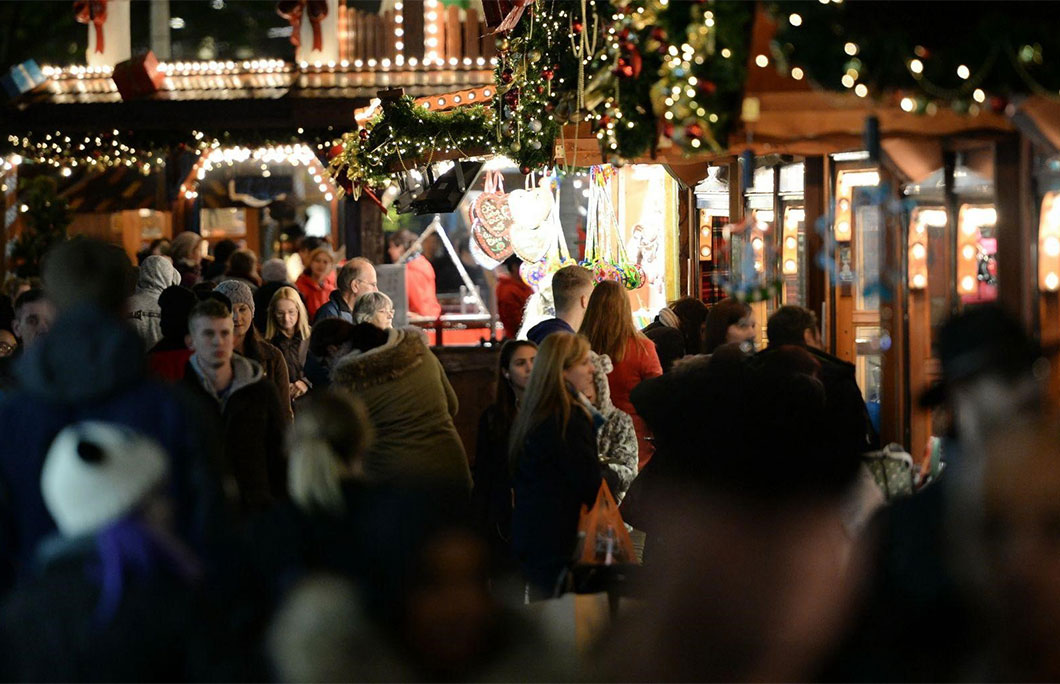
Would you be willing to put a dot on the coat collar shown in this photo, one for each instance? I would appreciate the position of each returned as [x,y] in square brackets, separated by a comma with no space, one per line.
[402,352]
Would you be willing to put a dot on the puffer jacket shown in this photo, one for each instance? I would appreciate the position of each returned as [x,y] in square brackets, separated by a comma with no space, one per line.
[156,274]
[616,440]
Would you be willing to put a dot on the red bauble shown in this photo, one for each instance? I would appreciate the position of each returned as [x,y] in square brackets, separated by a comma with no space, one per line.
[576,26]
[708,87]
[506,76]
[363,134]
[335,151]
[694,131]
[511,98]
[541,90]
[547,74]
[603,121]
[525,170]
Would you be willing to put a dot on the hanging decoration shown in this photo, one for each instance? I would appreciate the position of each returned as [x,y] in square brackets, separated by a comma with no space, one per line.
[605,253]
[491,222]
[964,61]
[92,12]
[537,274]
[531,231]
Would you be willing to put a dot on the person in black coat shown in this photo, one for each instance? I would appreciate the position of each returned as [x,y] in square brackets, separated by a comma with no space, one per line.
[556,469]
[491,494]
[678,330]
[245,405]
[797,326]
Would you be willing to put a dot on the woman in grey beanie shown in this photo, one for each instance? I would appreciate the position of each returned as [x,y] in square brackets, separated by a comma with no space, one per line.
[250,344]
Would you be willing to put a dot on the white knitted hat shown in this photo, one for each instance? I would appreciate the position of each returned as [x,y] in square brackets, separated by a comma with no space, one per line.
[97,472]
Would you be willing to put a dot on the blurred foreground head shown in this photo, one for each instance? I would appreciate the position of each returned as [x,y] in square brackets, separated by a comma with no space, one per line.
[83,271]
[1021,536]
[991,371]
[321,634]
[751,574]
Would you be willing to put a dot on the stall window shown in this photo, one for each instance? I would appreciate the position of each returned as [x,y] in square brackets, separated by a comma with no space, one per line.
[868,366]
[867,258]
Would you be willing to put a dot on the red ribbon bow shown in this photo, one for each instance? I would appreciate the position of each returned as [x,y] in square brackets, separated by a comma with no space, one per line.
[92,12]
[514,16]
[293,11]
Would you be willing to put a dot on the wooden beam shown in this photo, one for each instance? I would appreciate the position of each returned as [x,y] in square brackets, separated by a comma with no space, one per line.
[1017,235]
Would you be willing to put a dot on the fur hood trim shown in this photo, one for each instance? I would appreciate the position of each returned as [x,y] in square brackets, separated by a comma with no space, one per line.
[402,353]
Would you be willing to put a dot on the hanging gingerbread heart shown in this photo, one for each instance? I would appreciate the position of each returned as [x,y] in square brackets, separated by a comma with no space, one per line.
[495,247]
[479,255]
[530,208]
[492,211]
[532,233]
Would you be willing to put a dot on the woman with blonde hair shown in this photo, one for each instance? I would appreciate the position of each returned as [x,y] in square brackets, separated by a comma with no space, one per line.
[553,453]
[287,329]
[608,325]
[327,443]
[375,308]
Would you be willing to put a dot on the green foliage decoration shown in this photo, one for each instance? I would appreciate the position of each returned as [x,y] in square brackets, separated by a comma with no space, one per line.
[44,224]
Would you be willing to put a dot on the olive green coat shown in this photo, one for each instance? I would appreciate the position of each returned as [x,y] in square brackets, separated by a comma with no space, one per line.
[411,406]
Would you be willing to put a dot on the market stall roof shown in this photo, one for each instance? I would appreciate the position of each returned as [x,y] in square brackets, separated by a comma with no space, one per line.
[230,94]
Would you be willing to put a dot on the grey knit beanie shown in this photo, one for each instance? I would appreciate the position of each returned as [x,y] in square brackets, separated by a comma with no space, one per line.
[274,271]
[237,292]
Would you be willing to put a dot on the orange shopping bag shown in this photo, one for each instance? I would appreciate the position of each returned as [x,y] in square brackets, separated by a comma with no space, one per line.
[602,536]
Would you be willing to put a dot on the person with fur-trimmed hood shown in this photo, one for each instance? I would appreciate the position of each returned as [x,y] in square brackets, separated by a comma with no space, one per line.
[616,440]
[411,406]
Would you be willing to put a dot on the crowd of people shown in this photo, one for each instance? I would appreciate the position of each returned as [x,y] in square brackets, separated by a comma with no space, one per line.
[232,472]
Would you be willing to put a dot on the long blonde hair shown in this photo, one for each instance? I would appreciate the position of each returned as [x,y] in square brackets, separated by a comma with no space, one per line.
[547,394]
[330,434]
[608,322]
[302,326]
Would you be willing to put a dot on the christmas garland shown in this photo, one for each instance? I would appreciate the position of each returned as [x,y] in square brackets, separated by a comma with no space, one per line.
[932,54]
[403,136]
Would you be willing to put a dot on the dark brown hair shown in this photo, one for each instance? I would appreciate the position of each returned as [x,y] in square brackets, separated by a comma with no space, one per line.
[721,316]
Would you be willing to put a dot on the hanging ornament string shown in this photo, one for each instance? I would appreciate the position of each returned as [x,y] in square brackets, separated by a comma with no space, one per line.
[581,45]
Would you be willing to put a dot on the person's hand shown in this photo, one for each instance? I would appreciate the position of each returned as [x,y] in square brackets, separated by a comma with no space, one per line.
[298,388]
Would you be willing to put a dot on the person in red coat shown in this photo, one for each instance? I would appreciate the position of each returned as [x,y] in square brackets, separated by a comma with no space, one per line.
[512,294]
[313,283]
[419,275]
[608,324]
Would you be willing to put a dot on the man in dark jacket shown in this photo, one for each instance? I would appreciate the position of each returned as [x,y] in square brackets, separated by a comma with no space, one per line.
[797,326]
[243,402]
[571,289]
[355,278]
[90,366]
